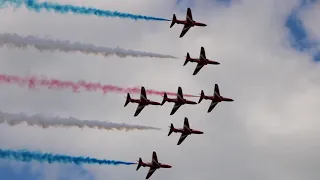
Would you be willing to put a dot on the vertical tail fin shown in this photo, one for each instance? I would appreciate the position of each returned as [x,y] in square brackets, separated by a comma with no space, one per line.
[128,100]
[165,97]
[174,19]
[201,96]
[171,129]
[139,164]
[187,59]
[216,90]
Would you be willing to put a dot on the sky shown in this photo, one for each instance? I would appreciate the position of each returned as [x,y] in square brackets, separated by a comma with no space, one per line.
[269,53]
[301,39]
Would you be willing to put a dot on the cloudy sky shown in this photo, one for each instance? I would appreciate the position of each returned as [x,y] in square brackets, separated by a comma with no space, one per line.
[268,50]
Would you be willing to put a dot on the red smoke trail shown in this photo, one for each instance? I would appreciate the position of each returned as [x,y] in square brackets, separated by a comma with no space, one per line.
[33,82]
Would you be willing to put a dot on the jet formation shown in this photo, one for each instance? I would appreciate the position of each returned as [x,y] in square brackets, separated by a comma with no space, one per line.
[186,130]
[178,101]
[188,23]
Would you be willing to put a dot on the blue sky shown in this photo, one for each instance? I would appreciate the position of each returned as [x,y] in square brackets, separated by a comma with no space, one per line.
[300,38]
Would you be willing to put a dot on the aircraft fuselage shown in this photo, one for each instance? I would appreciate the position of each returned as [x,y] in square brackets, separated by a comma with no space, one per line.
[187,132]
[135,100]
[152,103]
[139,101]
[184,101]
[211,62]
[204,62]
[191,24]
[155,165]
[217,99]
[189,102]
[171,100]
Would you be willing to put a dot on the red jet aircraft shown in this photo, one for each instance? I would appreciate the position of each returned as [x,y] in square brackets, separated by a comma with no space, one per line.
[188,23]
[154,165]
[201,61]
[143,101]
[215,99]
[185,131]
[177,102]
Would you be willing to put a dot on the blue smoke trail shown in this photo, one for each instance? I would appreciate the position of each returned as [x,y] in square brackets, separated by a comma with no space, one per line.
[27,156]
[37,7]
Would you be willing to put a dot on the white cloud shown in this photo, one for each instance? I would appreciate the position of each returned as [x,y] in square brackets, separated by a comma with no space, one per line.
[269,132]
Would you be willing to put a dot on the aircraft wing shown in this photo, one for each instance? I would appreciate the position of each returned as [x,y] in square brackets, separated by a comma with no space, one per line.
[186,124]
[143,94]
[198,68]
[150,172]
[185,29]
[139,109]
[203,54]
[182,138]
[212,105]
[189,16]
[175,108]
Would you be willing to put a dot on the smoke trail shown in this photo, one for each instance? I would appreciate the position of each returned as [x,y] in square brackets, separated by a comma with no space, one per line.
[67,46]
[46,122]
[63,9]
[32,82]
[27,156]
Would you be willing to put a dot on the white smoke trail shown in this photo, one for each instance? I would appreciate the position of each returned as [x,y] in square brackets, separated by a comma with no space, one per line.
[67,46]
[46,122]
